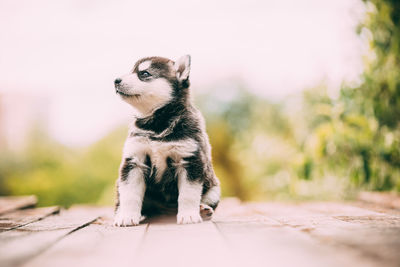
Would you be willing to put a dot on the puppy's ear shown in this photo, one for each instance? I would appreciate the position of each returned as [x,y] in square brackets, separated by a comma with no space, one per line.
[182,68]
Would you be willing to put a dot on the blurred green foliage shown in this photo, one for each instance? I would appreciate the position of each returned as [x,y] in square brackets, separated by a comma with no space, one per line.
[60,175]
[310,146]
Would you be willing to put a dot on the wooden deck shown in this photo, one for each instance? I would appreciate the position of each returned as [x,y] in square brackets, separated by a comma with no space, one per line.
[240,234]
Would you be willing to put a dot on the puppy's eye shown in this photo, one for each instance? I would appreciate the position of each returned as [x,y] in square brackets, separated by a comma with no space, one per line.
[144,74]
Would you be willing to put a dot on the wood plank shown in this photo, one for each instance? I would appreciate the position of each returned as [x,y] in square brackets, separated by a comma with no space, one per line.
[376,207]
[338,209]
[232,210]
[390,200]
[19,218]
[11,203]
[267,234]
[169,244]
[99,244]
[353,231]
[375,237]
[260,244]
[23,243]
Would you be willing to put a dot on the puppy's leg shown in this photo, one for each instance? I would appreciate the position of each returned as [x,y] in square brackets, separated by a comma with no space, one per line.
[212,196]
[131,189]
[209,201]
[188,199]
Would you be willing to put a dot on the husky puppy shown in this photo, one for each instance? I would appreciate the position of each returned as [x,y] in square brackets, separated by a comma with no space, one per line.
[166,162]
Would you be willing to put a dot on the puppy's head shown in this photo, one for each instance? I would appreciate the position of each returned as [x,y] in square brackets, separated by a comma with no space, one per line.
[154,82]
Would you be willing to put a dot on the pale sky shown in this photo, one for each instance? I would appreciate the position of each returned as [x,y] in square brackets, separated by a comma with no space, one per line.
[69,52]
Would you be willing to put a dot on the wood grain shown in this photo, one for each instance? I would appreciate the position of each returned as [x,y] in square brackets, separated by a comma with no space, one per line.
[390,200]
[23,243]
[99,244]
[19,218]
[169,244]
[11,203]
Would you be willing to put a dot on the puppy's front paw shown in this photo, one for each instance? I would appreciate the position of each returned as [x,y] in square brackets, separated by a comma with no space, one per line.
[189,216]
[127,218]
[206,211]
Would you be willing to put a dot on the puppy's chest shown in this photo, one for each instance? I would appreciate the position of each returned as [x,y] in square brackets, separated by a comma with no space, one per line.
[159,151]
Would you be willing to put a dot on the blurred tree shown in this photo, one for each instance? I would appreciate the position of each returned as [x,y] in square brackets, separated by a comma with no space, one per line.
[358,135]
[62,176]
[374,107]
[381,90]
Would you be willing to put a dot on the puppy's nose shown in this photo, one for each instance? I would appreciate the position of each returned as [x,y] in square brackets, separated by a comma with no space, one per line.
[117,81]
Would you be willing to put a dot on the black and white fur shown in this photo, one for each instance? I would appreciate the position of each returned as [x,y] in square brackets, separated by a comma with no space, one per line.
[166,164]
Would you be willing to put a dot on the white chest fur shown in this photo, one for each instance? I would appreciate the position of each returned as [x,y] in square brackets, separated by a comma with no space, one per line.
[139,147]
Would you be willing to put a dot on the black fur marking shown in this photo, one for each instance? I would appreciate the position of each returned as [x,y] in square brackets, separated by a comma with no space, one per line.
[117,198]
[129,165]
[195,167]
[139,134]
[147,171]
[174,114]
[126,168]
